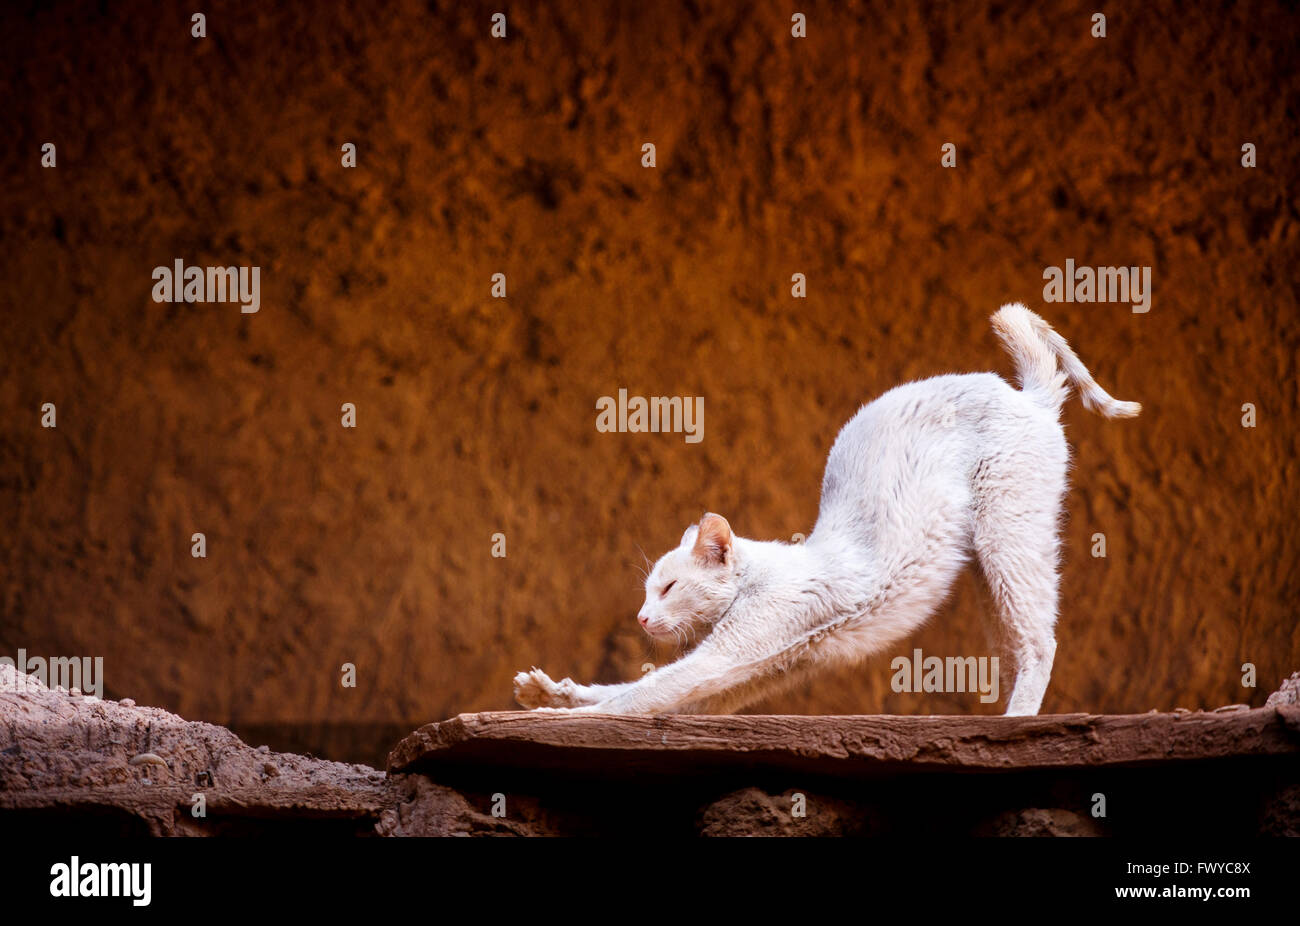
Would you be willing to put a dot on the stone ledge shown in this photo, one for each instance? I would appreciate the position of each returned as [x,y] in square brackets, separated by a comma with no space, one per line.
[850,745]
[118,768]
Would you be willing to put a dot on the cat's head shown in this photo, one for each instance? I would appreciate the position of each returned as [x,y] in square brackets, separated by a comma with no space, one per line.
[694,584]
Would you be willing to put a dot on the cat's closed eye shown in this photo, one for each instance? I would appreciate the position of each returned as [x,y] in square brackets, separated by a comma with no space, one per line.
[667,588]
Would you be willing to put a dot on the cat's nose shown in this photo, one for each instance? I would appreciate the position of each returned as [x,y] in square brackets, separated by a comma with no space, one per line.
[643,618]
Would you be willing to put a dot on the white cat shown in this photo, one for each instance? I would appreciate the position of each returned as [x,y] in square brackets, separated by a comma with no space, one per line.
[917,481]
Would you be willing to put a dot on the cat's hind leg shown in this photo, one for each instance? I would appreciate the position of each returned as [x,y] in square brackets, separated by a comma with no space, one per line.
[1015,539]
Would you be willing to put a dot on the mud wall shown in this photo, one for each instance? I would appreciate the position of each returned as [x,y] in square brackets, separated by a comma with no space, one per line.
[523,156]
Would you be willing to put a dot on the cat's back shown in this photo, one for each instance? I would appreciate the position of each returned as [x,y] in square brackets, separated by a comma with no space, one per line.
[924,434]
[925,412]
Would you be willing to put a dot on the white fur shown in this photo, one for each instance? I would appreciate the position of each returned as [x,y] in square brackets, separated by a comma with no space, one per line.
[916,482]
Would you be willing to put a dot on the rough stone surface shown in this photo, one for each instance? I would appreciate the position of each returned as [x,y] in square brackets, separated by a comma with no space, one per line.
[1038,821]
[422,808]
[1281,816]
[128,769]
[1287,693]
[753,812]
[81,753]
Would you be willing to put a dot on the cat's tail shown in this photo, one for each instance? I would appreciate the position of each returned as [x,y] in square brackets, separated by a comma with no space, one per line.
[1047,366]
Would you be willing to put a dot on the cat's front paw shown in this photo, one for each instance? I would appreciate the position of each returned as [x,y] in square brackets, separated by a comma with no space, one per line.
[532,689]
[535,689]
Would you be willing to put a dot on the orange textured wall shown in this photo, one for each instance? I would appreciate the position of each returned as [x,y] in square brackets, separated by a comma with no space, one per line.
[775,156]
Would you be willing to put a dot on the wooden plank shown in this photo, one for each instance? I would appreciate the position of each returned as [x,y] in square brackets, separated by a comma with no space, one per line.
[606,742]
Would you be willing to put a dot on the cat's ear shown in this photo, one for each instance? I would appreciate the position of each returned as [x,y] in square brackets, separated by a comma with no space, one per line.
[713,543]
[688,536]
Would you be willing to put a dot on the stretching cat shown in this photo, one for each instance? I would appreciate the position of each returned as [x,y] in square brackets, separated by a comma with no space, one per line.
[917,481]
